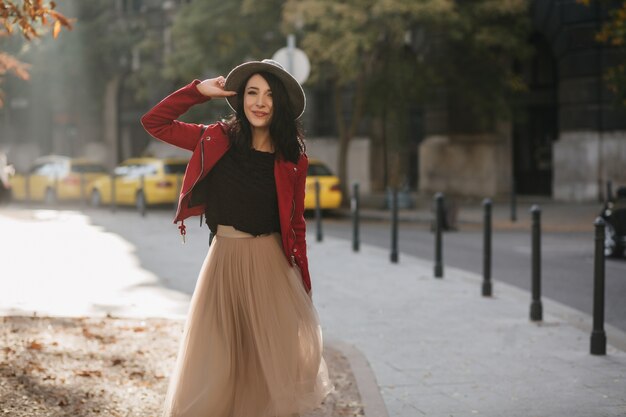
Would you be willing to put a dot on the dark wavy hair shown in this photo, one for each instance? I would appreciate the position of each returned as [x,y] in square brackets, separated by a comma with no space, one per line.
[285,131]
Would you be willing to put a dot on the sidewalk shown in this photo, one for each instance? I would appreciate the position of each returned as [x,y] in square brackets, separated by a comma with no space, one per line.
[438,348]
[556,216]
[87,326]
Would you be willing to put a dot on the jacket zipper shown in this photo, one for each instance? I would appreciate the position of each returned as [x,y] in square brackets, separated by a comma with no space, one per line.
[293,232]
[182,227]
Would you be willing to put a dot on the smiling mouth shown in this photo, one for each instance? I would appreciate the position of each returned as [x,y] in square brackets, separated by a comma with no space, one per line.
[259,114]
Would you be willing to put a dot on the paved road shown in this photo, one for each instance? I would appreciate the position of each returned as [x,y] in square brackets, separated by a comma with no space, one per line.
[567,257]
[567,267]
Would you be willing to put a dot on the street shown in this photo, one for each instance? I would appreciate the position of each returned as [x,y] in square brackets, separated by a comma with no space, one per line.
[567,260]
[567,257]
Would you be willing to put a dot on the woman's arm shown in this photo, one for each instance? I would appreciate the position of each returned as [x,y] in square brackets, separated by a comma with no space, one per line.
[161,121]
[299,225]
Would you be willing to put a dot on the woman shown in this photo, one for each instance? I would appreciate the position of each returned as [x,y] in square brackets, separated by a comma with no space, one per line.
[252,345]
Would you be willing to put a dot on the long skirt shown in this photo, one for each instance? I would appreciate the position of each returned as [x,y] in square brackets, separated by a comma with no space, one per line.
[252,343]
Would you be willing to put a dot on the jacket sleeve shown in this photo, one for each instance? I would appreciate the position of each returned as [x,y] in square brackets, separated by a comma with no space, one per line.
[161,121]
[299,225]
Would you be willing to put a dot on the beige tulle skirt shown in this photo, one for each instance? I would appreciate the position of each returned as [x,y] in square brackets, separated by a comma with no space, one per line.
[252,344]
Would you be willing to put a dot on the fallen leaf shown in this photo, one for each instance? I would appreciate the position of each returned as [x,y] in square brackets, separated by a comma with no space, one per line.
[34,345]
[88,373]
[91,335]
[34,366]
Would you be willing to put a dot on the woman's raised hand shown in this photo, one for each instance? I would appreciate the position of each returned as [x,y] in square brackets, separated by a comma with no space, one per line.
[214,87]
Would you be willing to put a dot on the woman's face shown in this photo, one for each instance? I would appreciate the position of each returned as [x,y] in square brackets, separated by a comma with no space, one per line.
[257,102]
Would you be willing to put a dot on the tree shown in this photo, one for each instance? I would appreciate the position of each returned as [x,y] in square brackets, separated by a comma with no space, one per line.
[342,40]
[613,34]
[360,47]
[479,41]
[215,42]
[28,17]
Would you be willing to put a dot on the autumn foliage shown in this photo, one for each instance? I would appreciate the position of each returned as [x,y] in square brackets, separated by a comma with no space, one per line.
[613,34]
[30,18]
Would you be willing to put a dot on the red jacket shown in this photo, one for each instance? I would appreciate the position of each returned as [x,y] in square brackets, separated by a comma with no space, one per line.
[208,147]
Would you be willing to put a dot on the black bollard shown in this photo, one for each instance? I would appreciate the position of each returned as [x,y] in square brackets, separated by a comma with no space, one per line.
[142,190]
[609,191]
[55,194]
[394,227]
[513,201]
[113,207]
[318,212]
[487,249]
[83,200]
[598,336]
[355,206]
[438,231]
[27,187]
[536,309]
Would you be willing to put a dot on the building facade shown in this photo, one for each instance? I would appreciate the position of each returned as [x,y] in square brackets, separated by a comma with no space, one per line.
[566,138]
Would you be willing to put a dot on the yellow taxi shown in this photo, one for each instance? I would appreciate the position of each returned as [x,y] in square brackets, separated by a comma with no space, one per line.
[53,178]
[141,182]
[330,190]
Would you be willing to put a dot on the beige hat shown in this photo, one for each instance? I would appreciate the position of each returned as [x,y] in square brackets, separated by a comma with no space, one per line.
[242,72]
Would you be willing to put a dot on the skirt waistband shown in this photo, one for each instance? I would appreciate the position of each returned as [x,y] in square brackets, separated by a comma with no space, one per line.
[230,231]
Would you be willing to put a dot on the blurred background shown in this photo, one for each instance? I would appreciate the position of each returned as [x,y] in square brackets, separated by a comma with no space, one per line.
[472,98]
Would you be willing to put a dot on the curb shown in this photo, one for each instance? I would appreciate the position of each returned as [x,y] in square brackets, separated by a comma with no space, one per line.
[373,403]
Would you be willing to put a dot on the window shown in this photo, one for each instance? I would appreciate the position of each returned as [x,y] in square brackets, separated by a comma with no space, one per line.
[316,169]
[143,169]
[175,168]
[88,168]
[121,170]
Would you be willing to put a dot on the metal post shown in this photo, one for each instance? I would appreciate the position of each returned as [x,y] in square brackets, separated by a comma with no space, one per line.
[438,229]
[55,186]
[142,185]
[487,249]
[27,187]
[83,201]
[598,336]
[318,211]
[536,309]
[609,190]
[355,206]
[394,226]
[113,207]
[513,200]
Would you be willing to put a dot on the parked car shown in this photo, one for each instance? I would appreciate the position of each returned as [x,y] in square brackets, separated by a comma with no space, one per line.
[614,215]
[54,178]
[330,190]
[161,181]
